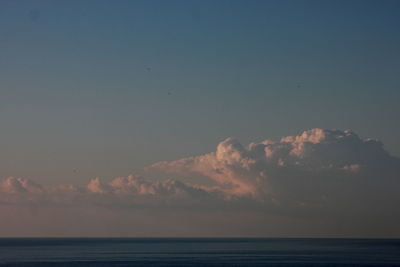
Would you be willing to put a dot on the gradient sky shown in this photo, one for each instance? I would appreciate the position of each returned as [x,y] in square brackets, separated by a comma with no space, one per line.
[104,88]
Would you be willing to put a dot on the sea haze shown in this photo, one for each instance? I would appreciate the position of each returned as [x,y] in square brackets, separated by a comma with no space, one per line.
[198,252]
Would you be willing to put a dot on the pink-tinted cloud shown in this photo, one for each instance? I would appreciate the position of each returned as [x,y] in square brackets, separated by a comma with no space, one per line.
[318,170]
[329,182]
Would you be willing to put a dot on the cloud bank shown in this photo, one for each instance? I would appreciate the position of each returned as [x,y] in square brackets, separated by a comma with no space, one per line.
[330,175]
[318,168]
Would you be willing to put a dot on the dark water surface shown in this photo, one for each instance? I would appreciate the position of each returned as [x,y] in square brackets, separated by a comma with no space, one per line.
[198,252]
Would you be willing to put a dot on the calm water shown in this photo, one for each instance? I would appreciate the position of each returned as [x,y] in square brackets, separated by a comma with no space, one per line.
[198,252]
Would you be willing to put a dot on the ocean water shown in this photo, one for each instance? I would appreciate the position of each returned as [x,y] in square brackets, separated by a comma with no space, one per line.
[198,252]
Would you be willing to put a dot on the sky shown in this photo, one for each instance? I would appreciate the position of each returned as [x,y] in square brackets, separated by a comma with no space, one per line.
[152,92]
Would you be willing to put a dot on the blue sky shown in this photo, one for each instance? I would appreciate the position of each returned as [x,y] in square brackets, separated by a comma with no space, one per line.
[102,88]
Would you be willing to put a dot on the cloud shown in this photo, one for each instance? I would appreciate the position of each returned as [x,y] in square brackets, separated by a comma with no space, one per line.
[138,191]
[19,185]
[130,191]
[318,171]
[325,182]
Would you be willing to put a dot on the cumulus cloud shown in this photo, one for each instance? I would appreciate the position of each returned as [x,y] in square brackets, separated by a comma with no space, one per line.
[318,168]
[130,191]
[318,183]
[316,171]
[19,185]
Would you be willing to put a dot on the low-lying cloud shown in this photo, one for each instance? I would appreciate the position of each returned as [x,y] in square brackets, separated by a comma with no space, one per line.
[318,168]
[319,173]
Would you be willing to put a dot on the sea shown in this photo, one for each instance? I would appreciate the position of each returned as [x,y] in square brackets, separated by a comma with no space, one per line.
[198,252]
